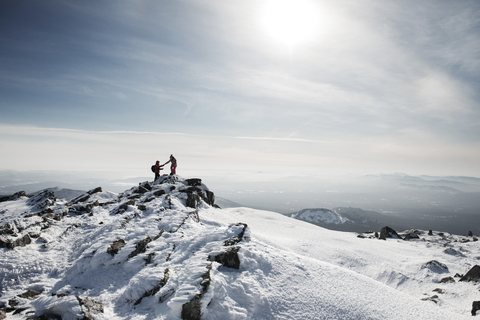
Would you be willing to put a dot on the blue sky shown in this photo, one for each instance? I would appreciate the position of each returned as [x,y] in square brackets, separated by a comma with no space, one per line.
[230,88]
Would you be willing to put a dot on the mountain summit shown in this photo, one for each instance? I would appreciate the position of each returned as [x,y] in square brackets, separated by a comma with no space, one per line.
[164,250]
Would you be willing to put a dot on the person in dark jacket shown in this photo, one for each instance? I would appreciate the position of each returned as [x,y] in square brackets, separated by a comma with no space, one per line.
[158,167]
[173,166]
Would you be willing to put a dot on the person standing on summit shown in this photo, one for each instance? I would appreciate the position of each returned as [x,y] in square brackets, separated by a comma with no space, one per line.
[173,166]
[157,169]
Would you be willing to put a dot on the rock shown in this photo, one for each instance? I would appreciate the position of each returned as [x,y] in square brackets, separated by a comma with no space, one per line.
[439,290]
[193,200]
[194,182]
[124,206]
[3,313]
[13,197]
[472,275]
[239,237]
[388,232]
[89,307]
[433,298]
[96,190]
[22,242]
[42,200]
[430,232]
[116,246]
[435,266]
[159,193]
[453,252]
[140,247]
[192,309]
[475,307]
[229,258]
[210,197]
[30,294]
[447,280]
[147,185]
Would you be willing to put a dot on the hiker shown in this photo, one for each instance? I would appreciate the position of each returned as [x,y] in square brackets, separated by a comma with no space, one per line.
[157,169]
[173,166]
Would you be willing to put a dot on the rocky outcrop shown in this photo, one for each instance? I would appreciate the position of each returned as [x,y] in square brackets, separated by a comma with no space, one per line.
[435,266]
[13,197]
[90,307]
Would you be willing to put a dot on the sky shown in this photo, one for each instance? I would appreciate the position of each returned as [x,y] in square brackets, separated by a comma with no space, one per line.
[241,88]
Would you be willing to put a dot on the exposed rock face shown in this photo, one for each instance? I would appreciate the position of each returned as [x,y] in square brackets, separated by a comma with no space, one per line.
[472,275]
[388,232]
[192,309]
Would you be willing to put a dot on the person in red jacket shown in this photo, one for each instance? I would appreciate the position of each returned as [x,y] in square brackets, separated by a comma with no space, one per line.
[173,166]
[158,167]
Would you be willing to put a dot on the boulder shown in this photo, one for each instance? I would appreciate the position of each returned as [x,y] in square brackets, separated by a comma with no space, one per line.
[193,200]
[388,232]
[89,307]
[22,242]
[229,258]
[42,200]
[447,280]
[472,275]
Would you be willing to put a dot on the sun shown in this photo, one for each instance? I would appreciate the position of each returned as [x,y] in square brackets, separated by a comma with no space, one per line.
[292,22]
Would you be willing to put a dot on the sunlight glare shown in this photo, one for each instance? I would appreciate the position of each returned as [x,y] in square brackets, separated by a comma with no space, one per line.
[292,22]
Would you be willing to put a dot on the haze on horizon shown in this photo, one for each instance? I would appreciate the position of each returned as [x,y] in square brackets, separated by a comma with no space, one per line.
[232,90]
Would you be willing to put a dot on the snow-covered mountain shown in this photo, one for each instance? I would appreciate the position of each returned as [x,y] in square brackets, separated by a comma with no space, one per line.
[166,251]
[320,216]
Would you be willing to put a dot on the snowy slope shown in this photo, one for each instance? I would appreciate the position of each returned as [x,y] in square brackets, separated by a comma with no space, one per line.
[164,251]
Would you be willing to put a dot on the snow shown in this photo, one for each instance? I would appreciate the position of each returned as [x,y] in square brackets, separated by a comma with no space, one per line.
[289,269]
[320,216]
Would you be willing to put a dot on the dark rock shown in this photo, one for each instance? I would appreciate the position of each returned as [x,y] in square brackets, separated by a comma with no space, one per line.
[22,242]
[439,290]
[435,266]
[433,298]
[116,246]
[90,307]
[13,197]
[192,200]
[430,232]
[96,190]
[210,197]
[30,294]
[447,280]
[229,258]
[159,193]
[140,247]
[470,233]
[194,182]
[472,275]
[475,307]
[388,232]
[142,207]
